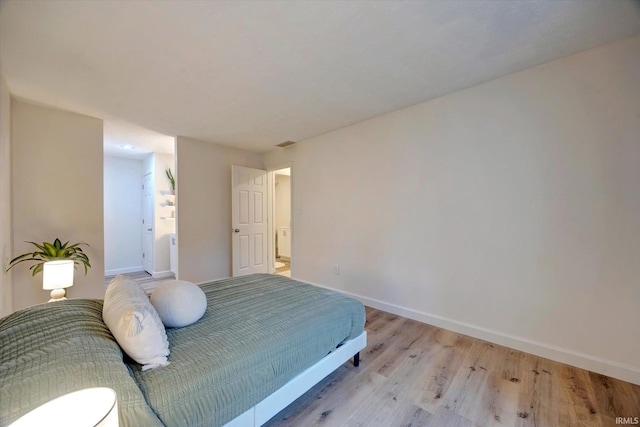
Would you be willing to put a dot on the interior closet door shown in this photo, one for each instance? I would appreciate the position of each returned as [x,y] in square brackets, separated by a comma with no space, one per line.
[147,223]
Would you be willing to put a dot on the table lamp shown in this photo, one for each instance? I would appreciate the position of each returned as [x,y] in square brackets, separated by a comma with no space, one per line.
[57,275]
[91,407]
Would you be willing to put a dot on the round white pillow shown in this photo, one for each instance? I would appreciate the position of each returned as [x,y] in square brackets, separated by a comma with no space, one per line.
[179,303]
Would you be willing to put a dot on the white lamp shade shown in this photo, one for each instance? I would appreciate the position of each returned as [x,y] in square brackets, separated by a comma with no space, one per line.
[91,407]
[57,275]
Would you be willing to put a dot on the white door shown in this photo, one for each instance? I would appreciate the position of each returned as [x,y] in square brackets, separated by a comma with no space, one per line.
[248,220]
[147,224]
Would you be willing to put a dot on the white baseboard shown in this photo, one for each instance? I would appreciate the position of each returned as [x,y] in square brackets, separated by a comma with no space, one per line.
[162,274]
[580,360]
[117,271]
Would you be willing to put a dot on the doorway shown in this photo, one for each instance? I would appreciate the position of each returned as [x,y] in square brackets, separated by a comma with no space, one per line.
[139,207]
[281,232]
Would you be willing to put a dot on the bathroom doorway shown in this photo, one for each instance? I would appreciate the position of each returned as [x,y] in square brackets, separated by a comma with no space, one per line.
[281,230]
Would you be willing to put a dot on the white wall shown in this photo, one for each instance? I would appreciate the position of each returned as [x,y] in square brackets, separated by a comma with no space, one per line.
[6,234]
[509,211]
[203,184]
[57,187]
[122,215]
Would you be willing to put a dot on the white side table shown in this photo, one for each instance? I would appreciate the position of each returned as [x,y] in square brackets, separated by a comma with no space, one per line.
[90,407]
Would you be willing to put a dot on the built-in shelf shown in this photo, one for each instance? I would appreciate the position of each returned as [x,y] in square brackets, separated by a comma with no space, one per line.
[168,202]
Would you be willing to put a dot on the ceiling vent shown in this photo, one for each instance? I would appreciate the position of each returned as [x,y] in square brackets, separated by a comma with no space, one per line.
[285,144]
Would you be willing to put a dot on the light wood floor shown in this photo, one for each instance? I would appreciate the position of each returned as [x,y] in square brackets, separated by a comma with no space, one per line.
[412,374]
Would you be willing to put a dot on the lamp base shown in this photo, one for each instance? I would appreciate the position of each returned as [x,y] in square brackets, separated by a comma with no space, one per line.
[58,295]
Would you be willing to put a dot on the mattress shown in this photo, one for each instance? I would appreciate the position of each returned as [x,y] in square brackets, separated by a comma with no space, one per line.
[52,349]
[258,332]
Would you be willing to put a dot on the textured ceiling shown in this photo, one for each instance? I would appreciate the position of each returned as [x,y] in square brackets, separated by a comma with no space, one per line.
[254,74]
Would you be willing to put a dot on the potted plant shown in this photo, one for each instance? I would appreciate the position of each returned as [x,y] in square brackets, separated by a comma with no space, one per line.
[52,252]
[172,180]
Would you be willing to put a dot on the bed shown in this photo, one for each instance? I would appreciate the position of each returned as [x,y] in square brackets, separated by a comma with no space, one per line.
[262,342]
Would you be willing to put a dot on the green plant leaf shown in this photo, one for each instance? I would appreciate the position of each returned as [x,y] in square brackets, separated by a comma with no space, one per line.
[37,268]
[50,249]
[38,246]
[50,252]
[22,258]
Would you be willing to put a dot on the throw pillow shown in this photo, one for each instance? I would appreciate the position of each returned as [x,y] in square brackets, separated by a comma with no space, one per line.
[179,303]
[134,323]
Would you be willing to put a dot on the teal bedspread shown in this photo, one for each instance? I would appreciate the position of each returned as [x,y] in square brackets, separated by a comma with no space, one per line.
[52,349]
[258,332]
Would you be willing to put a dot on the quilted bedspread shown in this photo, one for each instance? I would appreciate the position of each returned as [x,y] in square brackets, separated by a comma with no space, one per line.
[52,349]
[258,332]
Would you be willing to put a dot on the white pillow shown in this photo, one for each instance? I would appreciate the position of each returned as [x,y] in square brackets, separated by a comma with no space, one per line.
[134,323]
[179,303]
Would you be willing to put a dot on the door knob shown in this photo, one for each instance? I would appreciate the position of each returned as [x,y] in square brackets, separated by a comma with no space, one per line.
[236,230]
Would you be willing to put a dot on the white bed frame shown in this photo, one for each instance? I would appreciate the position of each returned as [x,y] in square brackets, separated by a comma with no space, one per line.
[300,384]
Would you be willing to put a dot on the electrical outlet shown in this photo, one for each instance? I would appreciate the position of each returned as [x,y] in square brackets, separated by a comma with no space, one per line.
[336,269]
